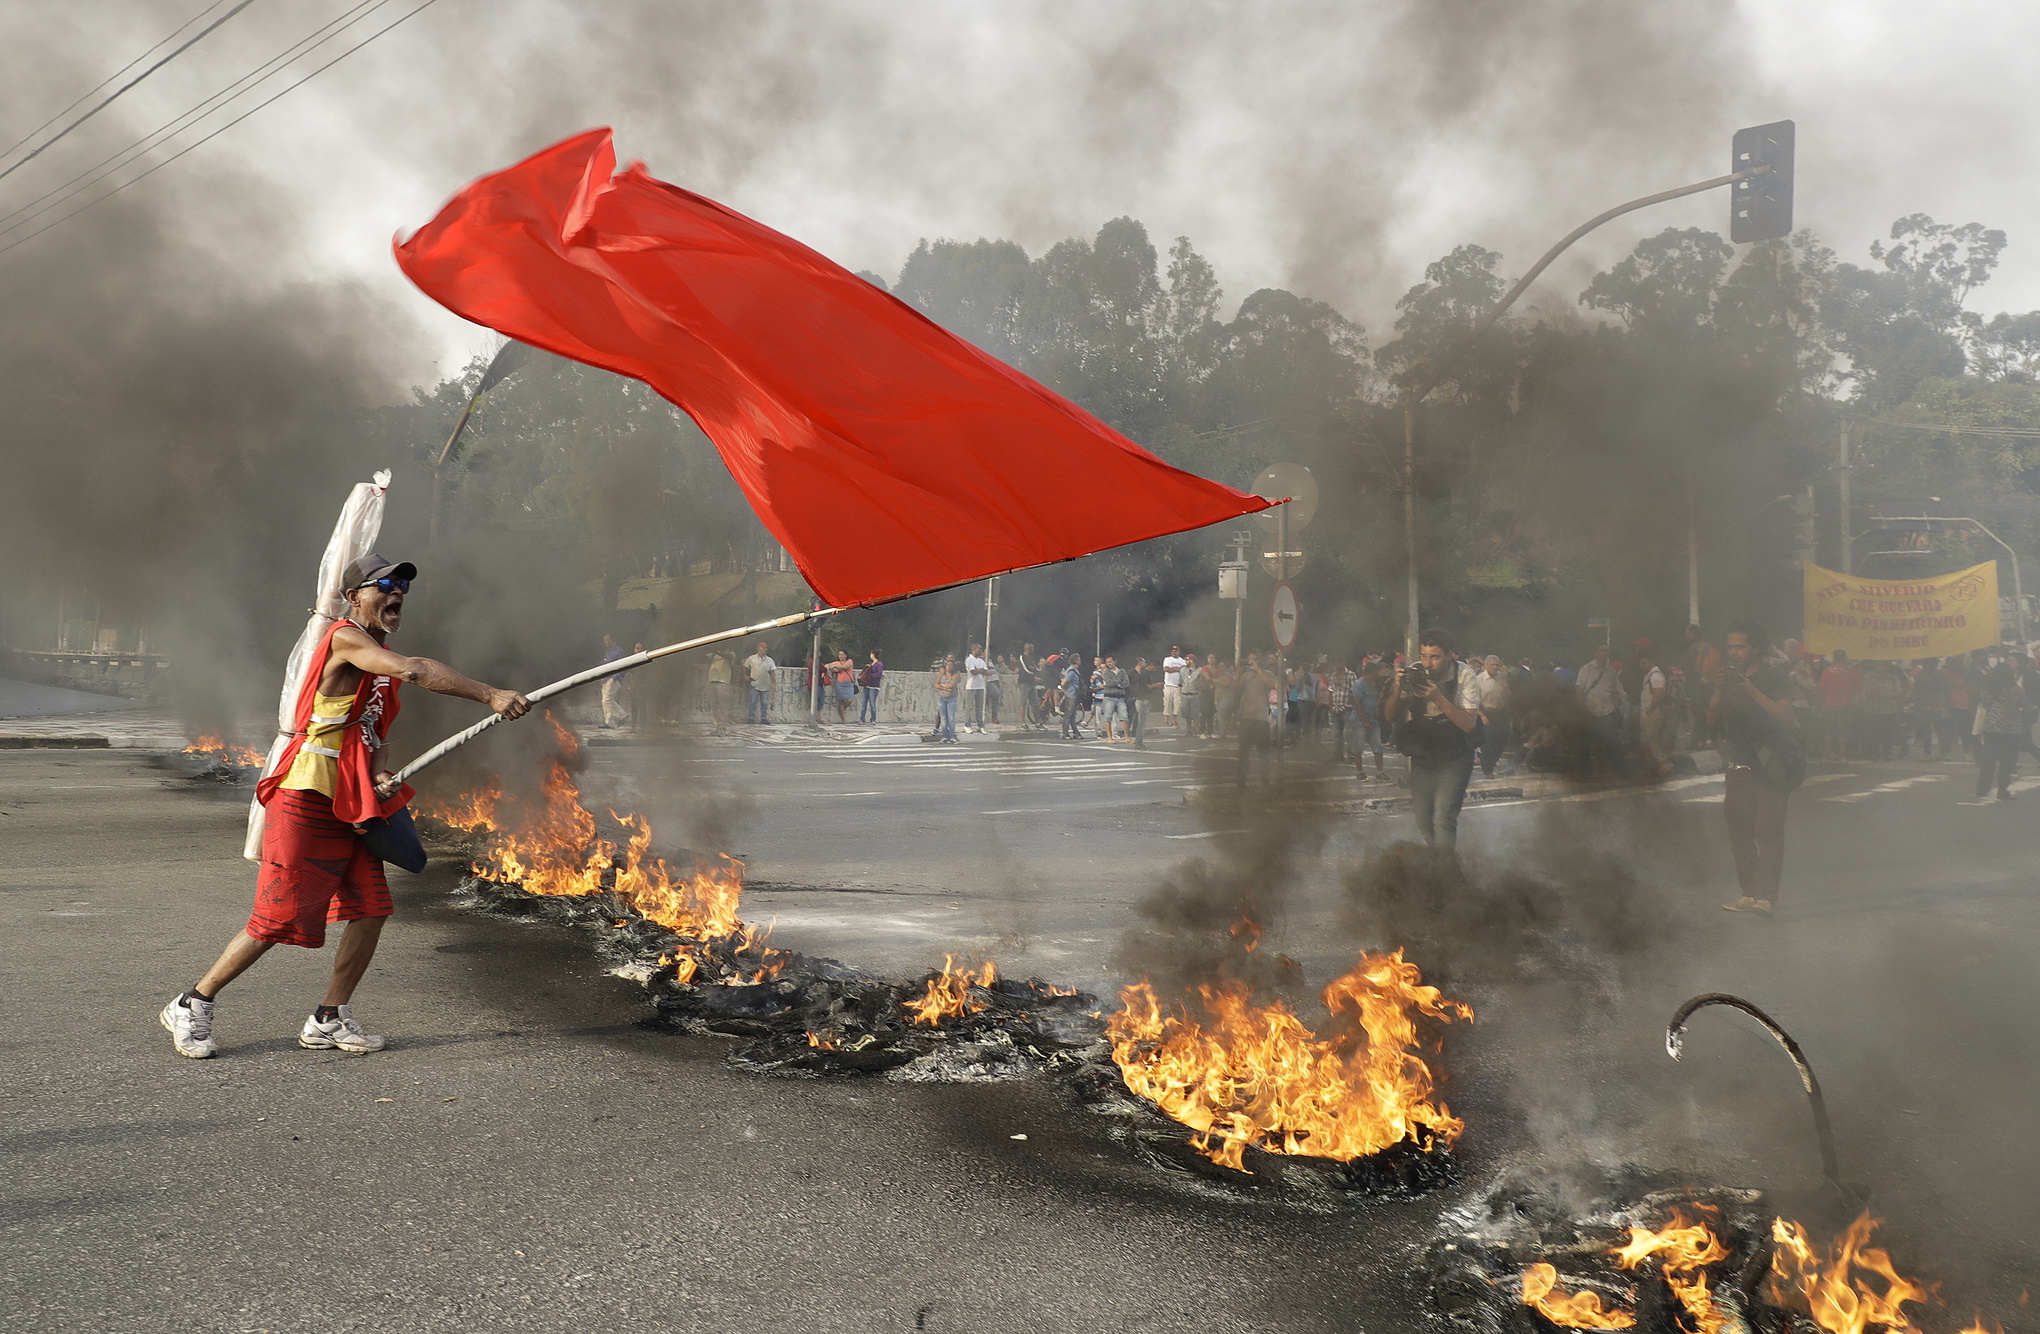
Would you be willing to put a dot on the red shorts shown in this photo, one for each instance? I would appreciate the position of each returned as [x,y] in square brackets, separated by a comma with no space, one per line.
[315,870]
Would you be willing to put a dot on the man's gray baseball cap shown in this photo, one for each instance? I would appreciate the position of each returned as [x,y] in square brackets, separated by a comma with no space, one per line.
[373,567]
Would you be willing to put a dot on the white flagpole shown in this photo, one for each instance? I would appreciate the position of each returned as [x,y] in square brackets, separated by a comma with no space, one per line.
[607,669]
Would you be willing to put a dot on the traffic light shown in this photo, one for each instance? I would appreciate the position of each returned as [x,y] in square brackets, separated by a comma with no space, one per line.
[1760,207]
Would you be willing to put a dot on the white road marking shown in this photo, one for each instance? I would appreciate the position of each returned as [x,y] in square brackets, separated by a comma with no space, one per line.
[1210,833]
[1028,810]
[1897,785]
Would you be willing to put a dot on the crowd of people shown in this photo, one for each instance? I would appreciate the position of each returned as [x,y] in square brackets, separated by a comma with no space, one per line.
[1766,710]
[1621,715]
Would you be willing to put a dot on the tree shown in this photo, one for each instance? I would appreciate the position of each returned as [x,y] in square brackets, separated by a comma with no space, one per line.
[1906,325]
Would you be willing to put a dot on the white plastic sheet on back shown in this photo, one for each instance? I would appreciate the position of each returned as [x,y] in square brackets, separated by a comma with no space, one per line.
[353,537]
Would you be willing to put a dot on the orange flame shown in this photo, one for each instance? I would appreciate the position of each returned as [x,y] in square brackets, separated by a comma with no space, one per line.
[1684,1249]
[1851,1289]
[213,747]
[469,810]
[554,848]
[1258,1076]
[948,995]
[1840,1299]
[1580,1310]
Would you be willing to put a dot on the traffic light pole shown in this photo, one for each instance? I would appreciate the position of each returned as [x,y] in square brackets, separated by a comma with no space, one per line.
[1442,369]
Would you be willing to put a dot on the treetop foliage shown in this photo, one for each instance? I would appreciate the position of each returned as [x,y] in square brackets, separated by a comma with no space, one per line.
[1558,460]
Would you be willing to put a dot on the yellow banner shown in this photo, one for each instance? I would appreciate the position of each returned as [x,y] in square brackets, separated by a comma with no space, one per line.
[1902,618]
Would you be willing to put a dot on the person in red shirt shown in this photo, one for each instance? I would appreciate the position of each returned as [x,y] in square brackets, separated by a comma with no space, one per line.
[1705,664]
[1838,687]
[315,867]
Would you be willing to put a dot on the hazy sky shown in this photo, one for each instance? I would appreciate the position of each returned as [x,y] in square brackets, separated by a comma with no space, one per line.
[1332,148]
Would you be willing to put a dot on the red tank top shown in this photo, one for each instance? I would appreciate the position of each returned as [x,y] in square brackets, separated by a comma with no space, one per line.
[374,709]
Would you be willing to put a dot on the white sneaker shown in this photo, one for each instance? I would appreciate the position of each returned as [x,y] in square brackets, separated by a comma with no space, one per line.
[343,1033]
[190,1025]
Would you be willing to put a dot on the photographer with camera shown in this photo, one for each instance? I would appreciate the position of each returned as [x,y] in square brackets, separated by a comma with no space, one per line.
[1751,705]
[1435,703]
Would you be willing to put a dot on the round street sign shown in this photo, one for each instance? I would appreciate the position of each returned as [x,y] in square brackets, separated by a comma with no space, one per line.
[1290,481]
[1282,614]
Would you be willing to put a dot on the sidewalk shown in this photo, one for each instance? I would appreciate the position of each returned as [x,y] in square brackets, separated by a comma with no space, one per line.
[133,729]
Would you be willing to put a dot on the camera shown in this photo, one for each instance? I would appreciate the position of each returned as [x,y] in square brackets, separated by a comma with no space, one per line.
[1415,678]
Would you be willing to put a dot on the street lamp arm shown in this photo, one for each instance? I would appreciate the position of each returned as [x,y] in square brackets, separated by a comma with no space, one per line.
[2018,586]
[1439,372]
[1421,389]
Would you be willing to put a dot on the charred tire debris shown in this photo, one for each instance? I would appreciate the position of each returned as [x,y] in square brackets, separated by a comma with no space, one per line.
[816,1018]
[1477,1260]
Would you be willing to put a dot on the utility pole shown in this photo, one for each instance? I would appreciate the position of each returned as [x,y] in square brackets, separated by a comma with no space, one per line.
[1842,485]
[991,601]
[1760,209]
[1238,591]
[1692,551]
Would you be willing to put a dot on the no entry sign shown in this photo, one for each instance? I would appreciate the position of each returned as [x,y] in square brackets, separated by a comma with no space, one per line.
[1282,615]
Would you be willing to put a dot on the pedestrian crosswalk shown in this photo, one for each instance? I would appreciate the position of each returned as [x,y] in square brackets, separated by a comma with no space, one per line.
[1896,785]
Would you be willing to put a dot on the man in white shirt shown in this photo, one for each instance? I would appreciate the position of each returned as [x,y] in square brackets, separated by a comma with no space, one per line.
[758,669]
[1494,714]
[976,670]
[1172,684]
[1599,687]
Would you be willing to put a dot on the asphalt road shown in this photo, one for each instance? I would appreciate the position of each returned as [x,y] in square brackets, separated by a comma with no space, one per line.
[525,1157]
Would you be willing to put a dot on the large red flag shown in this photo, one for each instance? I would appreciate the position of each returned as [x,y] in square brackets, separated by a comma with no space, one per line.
[885,453]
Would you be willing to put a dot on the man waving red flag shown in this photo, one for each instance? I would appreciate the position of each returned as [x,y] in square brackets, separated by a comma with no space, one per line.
[836,406]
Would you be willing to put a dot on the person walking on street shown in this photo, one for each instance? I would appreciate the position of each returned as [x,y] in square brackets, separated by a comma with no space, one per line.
[1113,682]
[1345,729]
[330,785]
[1187,697]
[1750,705]
[1654,690]
[1838,687]
[718,691]
[946,682]
[1370,694]
[1072,695]
[2000,719]
[1436,704]
[976,671]
[1599,686]
[868,682]
[1143,697]
[842,679]
[1880,705]
[1033,689]
[758,669]
[613,712]
[1930,710]
[1172,685]
[1494,714]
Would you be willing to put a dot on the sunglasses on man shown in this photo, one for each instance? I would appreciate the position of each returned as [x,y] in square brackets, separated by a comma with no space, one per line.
[388,585]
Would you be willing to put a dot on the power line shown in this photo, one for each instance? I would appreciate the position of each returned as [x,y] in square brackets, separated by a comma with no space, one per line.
[115,94]
[79,100]
[232,92]
[399,22]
